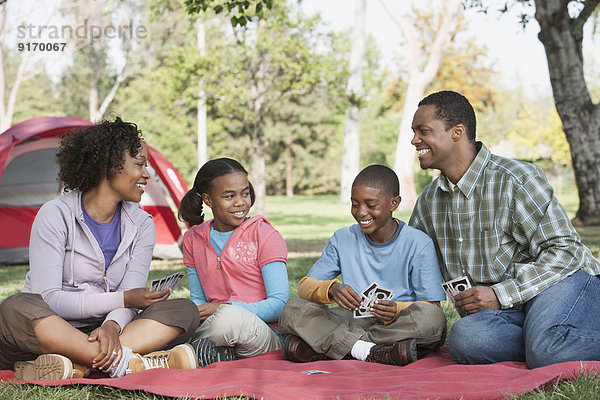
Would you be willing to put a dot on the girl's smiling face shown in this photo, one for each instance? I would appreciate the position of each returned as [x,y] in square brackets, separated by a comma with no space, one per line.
[229,199]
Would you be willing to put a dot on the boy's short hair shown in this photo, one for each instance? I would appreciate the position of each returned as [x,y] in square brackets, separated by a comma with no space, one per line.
[380,177]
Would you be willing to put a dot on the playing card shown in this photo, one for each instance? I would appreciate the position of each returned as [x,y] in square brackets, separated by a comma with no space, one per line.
[369,295]
[370,291]
[156,284]
[176,278]
[460,284]
[363,311]
[383,294]
[170,282]
[167,282]
[455,286]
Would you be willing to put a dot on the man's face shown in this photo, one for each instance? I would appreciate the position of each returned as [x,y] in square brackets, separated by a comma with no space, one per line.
[432,141]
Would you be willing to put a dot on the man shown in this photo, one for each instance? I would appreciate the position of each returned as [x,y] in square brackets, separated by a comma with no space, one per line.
[535,296]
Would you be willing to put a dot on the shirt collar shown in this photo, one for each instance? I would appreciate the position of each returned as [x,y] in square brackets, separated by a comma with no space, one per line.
[469,180]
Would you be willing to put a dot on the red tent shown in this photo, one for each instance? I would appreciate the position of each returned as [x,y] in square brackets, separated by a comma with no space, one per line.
[29,178]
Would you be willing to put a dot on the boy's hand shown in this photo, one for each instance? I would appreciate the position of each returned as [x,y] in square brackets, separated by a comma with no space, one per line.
[344,296]
[384,309]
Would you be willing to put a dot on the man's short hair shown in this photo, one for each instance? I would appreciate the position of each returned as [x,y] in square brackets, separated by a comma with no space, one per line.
[380,177]
[453,108]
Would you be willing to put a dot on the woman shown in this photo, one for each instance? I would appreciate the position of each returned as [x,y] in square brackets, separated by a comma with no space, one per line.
[90,252]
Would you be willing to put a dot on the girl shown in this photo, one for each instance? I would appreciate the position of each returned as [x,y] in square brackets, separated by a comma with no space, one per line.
[90,253]
[236,266]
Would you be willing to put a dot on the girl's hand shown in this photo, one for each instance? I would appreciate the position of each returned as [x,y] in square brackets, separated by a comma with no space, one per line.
[384,309]
[344,296]
[143,298]
[207,309]
[110,346]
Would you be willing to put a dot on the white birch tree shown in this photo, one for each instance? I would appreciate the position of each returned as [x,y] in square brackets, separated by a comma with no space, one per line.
[351,150]
[422,69]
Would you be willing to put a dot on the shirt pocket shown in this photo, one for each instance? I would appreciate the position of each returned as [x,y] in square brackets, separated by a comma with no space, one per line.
[489,244]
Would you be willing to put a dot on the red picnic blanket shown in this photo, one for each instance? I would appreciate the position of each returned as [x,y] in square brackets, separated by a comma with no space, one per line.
[269,376]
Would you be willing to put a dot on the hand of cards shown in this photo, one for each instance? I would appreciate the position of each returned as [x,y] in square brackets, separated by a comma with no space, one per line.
[369,295]
[168,282]
[454,287]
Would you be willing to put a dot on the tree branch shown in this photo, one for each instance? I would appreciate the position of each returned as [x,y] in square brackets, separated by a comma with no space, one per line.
[452,9]
[588,9]
[113,90]
[413,44]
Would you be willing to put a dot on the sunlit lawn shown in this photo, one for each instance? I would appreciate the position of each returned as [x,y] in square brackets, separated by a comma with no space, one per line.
[306,223]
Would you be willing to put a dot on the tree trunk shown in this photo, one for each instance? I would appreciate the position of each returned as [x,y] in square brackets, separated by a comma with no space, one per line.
[405,152]
[562,38]
[202,129]
[259,171]
[421,72]
[289,167]
[351,152]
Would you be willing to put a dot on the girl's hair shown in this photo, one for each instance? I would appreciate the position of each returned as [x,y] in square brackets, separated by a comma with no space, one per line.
[88,155]
[190,209]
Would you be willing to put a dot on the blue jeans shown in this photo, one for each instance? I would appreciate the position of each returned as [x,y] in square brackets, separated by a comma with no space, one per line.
[560,324]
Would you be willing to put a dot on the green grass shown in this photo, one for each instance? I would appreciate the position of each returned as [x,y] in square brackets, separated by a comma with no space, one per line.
[306,222]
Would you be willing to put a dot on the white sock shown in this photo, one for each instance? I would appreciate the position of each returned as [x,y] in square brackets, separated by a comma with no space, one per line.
[119,370]
[361,349]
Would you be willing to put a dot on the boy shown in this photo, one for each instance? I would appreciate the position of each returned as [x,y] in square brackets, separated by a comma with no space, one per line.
[381,249]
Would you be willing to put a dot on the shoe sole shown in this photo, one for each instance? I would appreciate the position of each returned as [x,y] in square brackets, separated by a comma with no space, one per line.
[208,353]
[411,351]
[286,347]
[191,355]
[47,366]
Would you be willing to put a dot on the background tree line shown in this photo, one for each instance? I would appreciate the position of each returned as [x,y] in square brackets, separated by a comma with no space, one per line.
[275,88]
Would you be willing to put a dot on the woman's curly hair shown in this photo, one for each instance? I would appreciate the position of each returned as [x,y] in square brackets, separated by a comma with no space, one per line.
[88,155]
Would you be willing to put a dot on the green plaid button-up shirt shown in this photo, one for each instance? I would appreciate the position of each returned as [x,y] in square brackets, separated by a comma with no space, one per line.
[502,225]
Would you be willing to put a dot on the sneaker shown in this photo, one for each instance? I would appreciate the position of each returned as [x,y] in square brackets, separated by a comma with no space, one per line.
[208,352]
[297,350]
[179,357]
[400,353]
[46,366]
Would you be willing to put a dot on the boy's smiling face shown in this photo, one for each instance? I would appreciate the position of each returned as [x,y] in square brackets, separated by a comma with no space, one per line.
[372,208]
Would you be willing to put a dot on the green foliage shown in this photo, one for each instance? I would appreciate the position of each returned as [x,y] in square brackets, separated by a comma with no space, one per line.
[261,86]
[242,10]
[535,129]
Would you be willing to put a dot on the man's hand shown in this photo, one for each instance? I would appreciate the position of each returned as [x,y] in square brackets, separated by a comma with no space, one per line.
[207,309]
[385,310]
[344,296]
[143,298]
[476,299]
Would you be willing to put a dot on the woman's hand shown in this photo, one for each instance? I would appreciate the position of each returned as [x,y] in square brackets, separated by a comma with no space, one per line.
[110,346]
[384,309]
[207,309]
[344,296]
[143,298]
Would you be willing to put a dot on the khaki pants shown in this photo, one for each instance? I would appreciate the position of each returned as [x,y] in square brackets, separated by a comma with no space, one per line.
[333,331]
[234,326]
[17,313]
